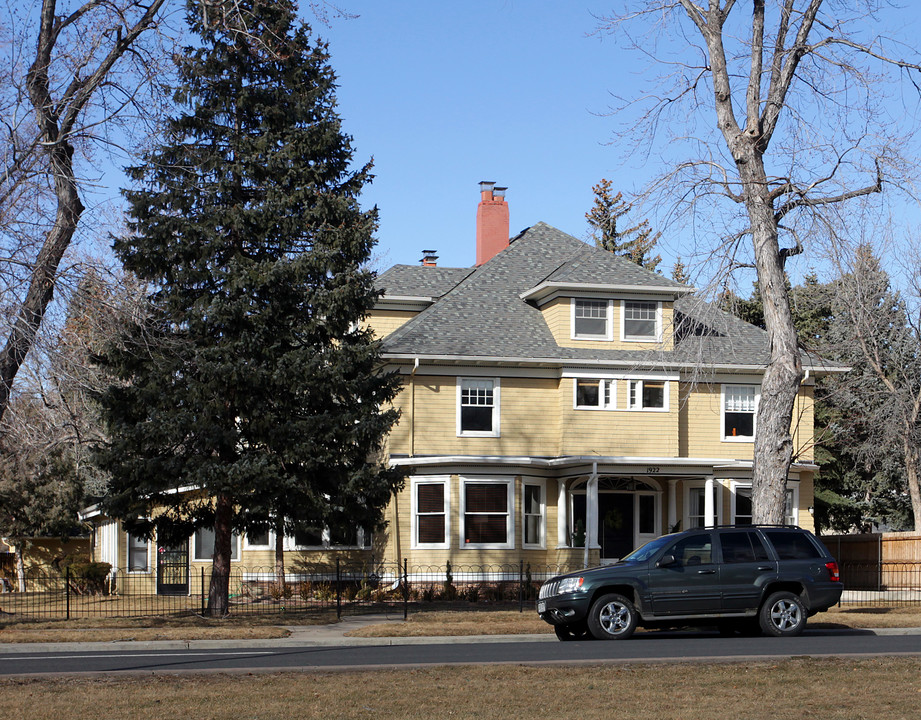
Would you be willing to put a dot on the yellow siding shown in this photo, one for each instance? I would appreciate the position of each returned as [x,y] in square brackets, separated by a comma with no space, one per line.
[618,432]
[557,315]
[529,423]
[384,322]
[701,434]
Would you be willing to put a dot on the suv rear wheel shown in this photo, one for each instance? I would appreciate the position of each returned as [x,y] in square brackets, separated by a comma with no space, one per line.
[612,617]
[783,615]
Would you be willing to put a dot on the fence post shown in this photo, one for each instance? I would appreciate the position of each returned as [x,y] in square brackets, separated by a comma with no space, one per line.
[67,589]
[405,591]
[521,586]
[338,591]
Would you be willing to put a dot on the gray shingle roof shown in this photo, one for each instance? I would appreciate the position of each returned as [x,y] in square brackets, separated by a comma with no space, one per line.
[420,280]
[479,313]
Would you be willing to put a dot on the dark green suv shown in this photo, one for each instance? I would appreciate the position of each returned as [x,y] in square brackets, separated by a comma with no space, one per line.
[740,578]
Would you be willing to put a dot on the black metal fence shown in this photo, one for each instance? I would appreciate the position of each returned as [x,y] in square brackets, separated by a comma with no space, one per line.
[352,589]
[340,587]
[890,584]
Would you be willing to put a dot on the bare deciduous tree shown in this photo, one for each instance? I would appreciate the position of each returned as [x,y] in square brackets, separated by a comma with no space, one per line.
[73,73]
[783,105]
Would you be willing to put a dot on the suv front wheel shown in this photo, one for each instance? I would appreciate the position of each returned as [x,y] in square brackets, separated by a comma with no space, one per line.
[612,617]
[783,615]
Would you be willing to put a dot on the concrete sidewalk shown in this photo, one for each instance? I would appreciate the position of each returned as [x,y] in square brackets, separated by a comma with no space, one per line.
[334,634]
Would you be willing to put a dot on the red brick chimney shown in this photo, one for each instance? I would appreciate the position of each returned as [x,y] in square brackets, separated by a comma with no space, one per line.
[491,222]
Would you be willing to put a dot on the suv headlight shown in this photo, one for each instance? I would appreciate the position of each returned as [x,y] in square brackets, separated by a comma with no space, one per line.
[570,585]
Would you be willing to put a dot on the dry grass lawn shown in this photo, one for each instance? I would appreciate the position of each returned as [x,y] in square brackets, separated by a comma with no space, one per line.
[878,689]
[155,628]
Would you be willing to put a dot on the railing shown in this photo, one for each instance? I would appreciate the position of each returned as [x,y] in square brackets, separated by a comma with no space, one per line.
[360,588]
[886,583]
[340,587]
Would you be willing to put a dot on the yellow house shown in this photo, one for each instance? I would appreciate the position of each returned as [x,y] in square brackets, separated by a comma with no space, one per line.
[563,405]
[560,406]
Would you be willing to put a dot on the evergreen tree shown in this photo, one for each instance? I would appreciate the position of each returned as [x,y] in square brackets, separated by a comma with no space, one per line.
[635,243]
[251,384]
[680,272]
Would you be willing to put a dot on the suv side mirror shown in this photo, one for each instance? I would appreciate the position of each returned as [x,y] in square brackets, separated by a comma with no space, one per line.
[666,560]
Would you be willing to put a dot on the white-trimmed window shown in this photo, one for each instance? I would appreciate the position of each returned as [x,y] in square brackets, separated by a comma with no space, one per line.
[534,514]
[594,394]
[431,516]
[203,541]
[325,538]
[740,402]
[478,407]
[592,319]
[259,540]
[138,554]
[742,504]
[648,395]
[695,499]
[641,321]
[486,514]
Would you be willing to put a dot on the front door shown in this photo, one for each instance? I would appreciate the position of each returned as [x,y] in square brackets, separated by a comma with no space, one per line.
[615,525]
[173,569]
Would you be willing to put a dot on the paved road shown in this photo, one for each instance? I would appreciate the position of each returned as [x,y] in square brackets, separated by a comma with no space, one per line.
[651,647]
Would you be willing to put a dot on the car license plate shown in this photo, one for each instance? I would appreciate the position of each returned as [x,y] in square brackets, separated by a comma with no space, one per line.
[541,606]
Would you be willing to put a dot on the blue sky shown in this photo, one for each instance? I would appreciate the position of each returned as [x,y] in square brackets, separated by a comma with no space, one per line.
[443,95]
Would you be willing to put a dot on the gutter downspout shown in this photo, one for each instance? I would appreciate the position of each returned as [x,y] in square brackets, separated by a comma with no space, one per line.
[412,408]
[591,513]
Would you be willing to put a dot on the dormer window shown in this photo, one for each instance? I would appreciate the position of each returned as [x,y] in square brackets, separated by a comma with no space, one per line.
[642,321]
[592,319]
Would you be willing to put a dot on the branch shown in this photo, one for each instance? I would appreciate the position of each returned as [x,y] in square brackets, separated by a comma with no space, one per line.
[829,200]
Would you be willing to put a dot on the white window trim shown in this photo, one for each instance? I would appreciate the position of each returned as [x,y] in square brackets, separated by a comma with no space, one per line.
[194,548]
[509,543]
[623,321]
[542,484]
[496,392]
[325,542]
[666,391]
[145,571]
[612,405]
[608,335]
[270,543]
[691,484]
[445,481]
[791,488]
[738,439]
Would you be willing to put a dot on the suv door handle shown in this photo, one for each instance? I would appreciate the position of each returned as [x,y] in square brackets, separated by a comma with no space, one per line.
[706,572]
[765,567]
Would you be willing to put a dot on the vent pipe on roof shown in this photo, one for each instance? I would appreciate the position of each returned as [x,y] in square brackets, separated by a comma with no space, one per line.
[492,222]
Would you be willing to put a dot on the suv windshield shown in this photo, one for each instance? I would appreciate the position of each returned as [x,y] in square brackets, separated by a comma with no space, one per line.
[643,553]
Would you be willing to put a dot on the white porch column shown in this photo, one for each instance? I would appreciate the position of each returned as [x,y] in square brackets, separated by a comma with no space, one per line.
[709,507]
[562,515]
[672,503]
[591,513]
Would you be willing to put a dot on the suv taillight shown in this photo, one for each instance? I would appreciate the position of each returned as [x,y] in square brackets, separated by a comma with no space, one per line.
[833,573]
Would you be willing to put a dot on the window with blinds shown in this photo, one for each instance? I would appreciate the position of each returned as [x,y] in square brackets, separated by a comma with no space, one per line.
[486,513]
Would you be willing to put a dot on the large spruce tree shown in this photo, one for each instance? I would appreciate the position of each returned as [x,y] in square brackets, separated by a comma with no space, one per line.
[249,398]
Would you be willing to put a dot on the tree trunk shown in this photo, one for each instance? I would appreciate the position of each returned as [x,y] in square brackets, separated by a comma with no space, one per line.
[912,472]
[219,589]
[20,567]
[773,450]
[280,555]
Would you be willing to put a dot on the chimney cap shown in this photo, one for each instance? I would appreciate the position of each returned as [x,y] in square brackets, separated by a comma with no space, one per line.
[499,191]
[429,257]
[486,185]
